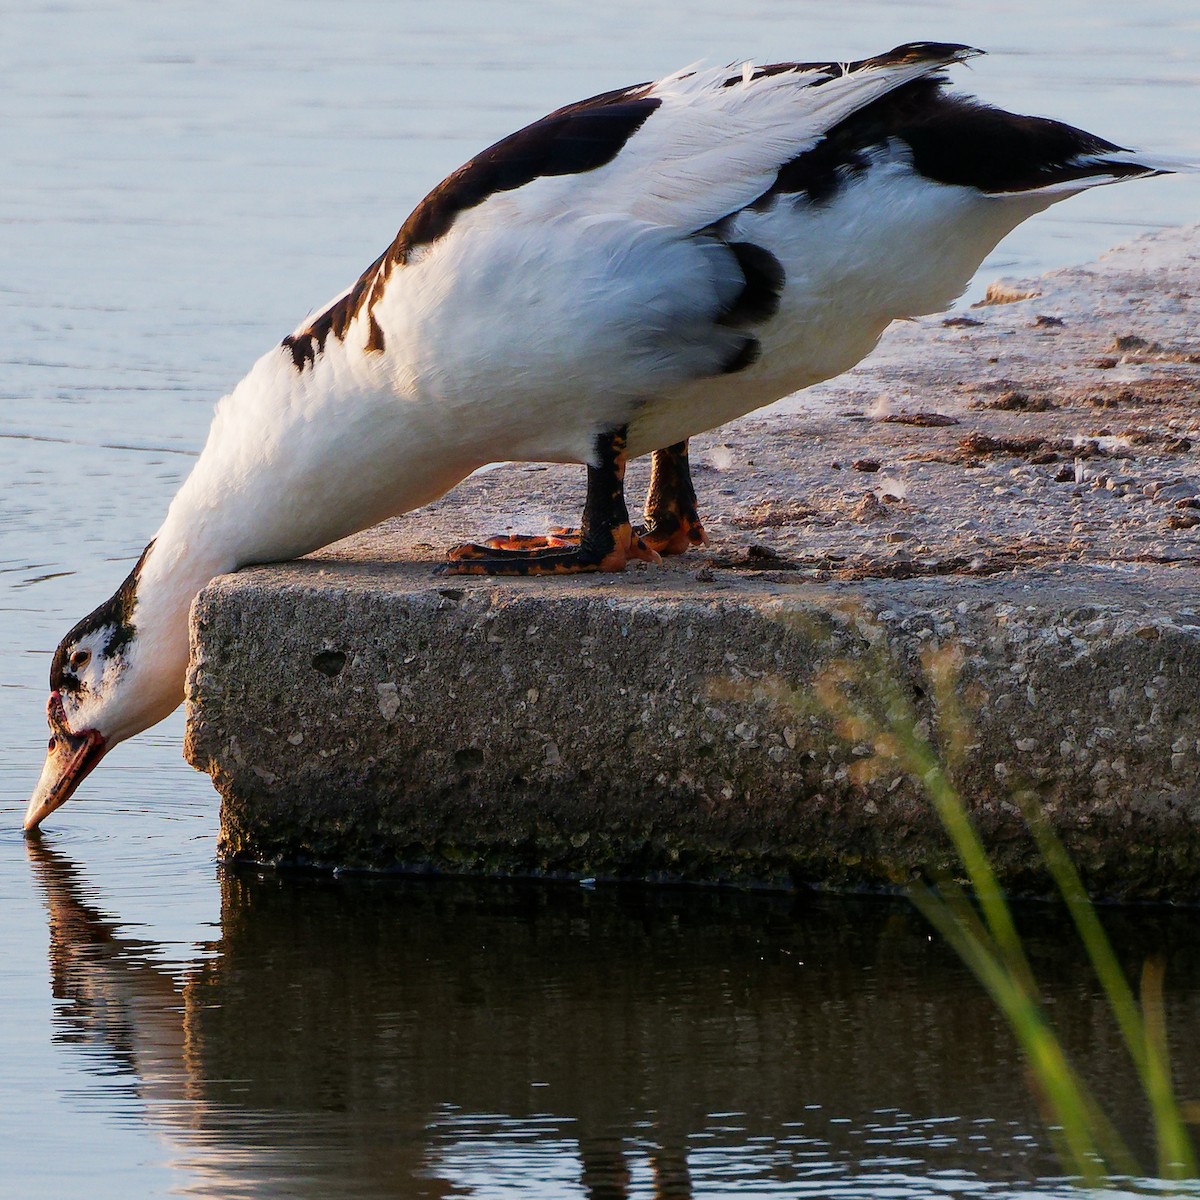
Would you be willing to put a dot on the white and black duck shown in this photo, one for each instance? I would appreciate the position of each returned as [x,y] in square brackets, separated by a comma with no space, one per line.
[622,274]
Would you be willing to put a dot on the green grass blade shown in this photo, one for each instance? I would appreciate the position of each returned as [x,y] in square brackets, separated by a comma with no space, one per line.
[869,704]
[1142,1028]
[1091,1150]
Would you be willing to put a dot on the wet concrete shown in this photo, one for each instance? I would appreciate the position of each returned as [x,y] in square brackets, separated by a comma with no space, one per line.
[1017,482]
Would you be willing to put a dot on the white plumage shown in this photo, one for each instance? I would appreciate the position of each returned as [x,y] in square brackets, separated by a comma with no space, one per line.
[622,275]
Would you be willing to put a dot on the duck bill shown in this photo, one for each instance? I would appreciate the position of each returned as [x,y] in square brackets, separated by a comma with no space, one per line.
[68,761]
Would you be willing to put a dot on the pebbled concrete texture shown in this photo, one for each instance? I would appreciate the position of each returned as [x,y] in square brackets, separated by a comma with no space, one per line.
[1019,483]
[658,728]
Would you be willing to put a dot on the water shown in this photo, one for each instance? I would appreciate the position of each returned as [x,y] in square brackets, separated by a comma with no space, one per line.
[432,1038]
[182,184]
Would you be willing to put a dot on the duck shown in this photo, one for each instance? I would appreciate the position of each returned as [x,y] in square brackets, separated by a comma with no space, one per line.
[625,273]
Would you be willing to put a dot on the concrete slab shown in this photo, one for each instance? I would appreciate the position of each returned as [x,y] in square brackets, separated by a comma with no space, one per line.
[1024,488]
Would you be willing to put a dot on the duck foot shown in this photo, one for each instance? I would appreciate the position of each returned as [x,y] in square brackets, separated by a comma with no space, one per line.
[674,533]
[560,559]
[672,523]
[671,533]
[606,540]
[556,537]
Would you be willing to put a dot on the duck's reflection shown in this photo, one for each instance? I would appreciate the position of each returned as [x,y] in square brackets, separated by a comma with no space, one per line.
[428,1039]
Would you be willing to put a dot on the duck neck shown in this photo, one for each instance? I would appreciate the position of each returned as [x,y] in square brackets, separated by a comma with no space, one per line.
[168,577]
[289,467]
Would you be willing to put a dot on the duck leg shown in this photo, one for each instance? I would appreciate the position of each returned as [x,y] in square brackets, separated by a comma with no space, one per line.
[606,540]
[672,522]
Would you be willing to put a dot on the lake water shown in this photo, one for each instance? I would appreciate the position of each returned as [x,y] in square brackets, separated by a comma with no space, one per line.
[182,183]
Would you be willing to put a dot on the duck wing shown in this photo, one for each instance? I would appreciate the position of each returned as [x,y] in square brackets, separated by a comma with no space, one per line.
[678,154]
[715,141]
[632,242]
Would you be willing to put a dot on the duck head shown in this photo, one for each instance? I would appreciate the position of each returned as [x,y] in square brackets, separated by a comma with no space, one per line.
[87,677]
[111,677]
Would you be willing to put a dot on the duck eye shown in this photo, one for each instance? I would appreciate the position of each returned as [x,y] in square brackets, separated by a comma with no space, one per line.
[80,659]
[53,740]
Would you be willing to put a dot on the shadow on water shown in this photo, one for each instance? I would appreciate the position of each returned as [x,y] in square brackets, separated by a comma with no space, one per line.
[437,1038]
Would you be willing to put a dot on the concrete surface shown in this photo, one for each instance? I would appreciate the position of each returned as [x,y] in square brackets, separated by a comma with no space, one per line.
[1018,481]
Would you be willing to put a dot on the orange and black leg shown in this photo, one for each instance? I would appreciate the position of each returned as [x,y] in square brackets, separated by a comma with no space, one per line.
[672,522]
[606,540]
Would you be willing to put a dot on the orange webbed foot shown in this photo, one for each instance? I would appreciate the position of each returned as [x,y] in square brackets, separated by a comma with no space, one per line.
[567,558]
